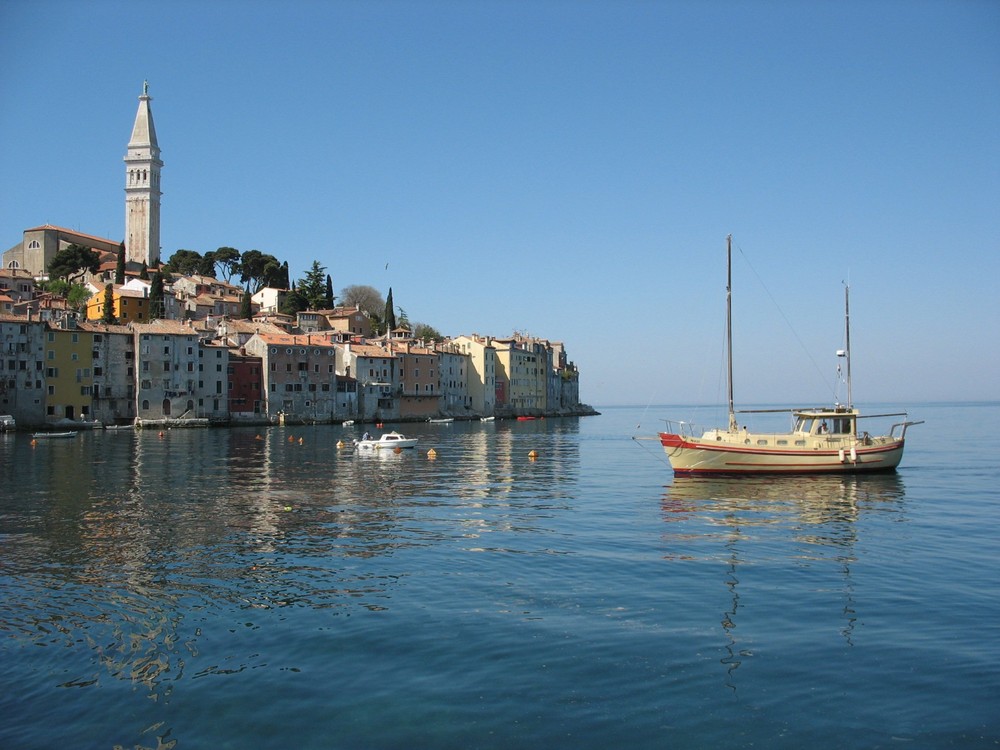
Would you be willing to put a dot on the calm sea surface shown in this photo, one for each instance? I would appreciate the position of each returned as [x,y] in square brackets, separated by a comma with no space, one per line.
[216,589]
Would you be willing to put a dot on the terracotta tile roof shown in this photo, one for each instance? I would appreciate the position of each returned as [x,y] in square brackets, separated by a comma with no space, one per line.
[64,230]
[98,327]
[292,340]
[163,327]
[370,350]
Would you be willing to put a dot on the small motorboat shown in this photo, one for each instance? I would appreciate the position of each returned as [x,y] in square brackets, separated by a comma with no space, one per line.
[443,420]
[52,435]
[389,440]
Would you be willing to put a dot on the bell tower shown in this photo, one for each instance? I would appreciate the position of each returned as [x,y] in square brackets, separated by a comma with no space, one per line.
[142,187]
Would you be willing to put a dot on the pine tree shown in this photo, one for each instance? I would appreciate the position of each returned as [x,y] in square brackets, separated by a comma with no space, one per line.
[109,305]
[313,286]
[120,266]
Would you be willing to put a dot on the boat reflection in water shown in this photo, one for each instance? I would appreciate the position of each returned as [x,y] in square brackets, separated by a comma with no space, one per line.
[748,524]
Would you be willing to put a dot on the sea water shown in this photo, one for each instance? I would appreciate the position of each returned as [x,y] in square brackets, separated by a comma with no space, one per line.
[267,588]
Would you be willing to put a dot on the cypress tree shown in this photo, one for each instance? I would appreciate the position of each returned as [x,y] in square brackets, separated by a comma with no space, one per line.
[144,272]
[246,311]
[109,305]
[120,266]
[156,297]
[329,292]
[390,314]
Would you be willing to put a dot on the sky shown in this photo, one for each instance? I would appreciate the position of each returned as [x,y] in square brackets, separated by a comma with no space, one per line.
[569,170]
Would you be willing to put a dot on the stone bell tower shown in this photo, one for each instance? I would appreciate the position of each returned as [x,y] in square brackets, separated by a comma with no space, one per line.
[142,187]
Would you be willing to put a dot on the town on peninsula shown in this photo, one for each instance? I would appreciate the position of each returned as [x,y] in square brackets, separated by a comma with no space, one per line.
[96,332]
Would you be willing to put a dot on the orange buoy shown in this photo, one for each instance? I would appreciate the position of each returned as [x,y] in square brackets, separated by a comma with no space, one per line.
[432,454]
[533,455]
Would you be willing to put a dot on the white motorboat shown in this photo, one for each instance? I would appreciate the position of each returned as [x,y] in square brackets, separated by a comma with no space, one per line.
[388,440]
[822,441]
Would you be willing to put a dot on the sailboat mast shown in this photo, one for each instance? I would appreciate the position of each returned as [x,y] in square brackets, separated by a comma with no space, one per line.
[847,342]
[729,328]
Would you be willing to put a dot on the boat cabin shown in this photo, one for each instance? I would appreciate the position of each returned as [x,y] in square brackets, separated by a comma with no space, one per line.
[826,422]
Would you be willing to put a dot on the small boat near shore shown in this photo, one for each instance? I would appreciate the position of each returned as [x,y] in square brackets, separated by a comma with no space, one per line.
[822,440]
[387,441]
[443,420]
[53,435]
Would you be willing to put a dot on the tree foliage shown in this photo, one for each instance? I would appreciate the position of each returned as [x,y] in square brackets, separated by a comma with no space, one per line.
[156,297]
[190,263]
[294,302]
[246,309]
[312,286]
[424,332]
[74,262]
[328,302]
[365,298]
[109,305]
[227,261]
[258,270]
[120,265]
[389,318]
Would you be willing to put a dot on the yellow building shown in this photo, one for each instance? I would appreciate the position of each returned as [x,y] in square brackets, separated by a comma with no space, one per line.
[69,380]
[130,305]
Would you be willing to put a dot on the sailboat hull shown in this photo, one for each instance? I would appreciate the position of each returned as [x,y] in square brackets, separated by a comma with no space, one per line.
[740,455]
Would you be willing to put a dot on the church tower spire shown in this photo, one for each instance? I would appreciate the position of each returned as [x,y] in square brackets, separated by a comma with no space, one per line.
[142,187]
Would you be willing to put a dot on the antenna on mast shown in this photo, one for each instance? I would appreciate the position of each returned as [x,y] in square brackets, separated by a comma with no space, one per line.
[729,328]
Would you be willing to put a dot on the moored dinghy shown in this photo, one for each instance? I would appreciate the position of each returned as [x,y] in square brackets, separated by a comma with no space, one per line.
[821,441]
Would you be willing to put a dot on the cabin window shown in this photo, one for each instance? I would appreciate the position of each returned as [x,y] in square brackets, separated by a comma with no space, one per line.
[800,443]
[782,442]
[761,442]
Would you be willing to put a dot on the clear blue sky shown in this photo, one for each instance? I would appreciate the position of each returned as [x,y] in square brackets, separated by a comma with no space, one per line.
[567,169]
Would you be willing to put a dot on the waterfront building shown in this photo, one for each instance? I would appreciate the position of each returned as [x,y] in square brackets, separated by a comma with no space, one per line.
[142,187]
[166,370]
[377,374]
[68,374]
[521,375]
[22,374]
[244,387]
[299,376]
[113,373]
[419,388]
[213,381]
[453,384]
[482,373]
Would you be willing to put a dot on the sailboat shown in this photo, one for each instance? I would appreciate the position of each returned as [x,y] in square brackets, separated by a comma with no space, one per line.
[822,440]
